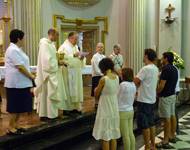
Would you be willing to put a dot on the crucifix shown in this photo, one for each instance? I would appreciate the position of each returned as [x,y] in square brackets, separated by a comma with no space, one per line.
[170,9]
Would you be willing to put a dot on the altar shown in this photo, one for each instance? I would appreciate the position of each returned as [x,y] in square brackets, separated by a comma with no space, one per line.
[86,71]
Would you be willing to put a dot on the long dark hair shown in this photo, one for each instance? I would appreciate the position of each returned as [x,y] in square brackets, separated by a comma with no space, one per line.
[127,74]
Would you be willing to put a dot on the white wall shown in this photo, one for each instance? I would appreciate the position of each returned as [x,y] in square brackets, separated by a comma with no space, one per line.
[170,35]
[114,9]
[122,26]
[186,36]
[152,24]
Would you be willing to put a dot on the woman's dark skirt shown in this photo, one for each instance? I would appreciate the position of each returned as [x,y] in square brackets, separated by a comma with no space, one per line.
[95,81]
[19,100]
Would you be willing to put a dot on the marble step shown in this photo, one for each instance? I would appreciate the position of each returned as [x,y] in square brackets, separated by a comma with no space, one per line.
[51,134]
[58,140]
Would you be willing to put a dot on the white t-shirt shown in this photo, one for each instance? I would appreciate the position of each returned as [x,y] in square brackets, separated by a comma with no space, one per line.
[149,78]
[126,96]
[95,62]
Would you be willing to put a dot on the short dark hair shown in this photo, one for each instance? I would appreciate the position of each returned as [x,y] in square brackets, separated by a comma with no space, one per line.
[169,56]
[71,34]
[117,46]
[151,54]
[106,64]
[52,31]
[127,74]
[16,34]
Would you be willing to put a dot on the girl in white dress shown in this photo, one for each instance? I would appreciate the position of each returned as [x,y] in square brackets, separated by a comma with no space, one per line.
[107,127]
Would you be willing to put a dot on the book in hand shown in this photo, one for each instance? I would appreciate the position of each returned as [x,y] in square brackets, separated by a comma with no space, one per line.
[83,54]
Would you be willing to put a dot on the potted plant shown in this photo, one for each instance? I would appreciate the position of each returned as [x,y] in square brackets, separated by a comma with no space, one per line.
[178,61]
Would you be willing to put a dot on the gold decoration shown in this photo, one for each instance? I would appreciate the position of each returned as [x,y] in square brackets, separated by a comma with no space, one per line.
[79,22]
[5,19]
[5,29]
[81,3]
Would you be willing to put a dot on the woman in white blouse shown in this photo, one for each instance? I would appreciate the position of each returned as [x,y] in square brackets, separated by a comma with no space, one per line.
[126,96]
[18,80]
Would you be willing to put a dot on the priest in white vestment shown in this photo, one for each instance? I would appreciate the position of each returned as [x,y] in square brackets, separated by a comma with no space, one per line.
[72,73]
[48,96]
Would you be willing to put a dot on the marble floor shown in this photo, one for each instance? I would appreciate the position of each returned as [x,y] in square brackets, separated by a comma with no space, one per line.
[183,138]
[183,142]
[89,143]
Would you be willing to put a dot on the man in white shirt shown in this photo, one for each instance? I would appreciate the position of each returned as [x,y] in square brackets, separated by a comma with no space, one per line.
[72,73]
[96,73]
[117,58]
[47,96]
[146,80]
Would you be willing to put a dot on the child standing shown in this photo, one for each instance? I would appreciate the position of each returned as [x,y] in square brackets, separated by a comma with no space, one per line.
[106,126]
[126,96]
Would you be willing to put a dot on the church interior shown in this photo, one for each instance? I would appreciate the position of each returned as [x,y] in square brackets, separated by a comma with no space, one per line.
[130,25]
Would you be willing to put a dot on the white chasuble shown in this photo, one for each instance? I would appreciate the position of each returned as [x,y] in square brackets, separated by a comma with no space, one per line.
[72,75]
[48,99]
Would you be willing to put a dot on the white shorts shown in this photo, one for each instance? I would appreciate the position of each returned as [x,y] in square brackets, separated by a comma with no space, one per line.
[166,106]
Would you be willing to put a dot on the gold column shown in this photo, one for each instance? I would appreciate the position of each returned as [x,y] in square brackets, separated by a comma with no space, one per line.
[5,29]
[135,33]
[5,33]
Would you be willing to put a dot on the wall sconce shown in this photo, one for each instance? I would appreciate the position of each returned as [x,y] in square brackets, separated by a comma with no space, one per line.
[169,19]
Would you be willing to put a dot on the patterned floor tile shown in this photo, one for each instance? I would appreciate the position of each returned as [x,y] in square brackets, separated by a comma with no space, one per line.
[182,132]
[187,116]
[182,120]
[181,145]
[188,119]
[186,123]
[187,131]
[183,138]
[184,127]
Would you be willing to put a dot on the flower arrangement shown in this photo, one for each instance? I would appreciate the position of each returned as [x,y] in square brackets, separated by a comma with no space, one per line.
[178,61]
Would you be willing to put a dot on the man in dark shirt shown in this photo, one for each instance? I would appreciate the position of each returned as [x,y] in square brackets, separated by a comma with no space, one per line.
[166,90]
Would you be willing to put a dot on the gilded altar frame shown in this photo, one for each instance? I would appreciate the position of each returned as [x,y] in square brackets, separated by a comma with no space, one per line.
[80,22]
